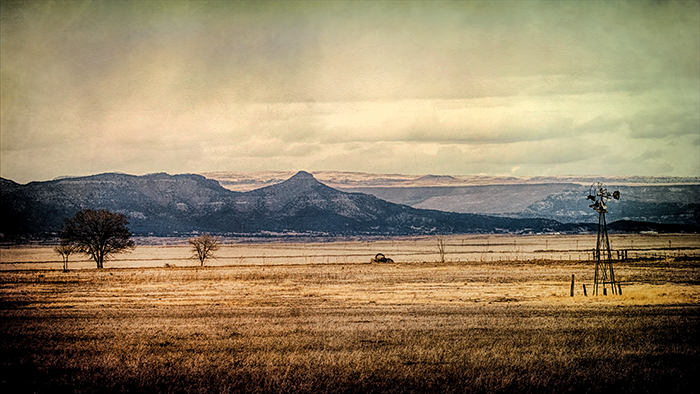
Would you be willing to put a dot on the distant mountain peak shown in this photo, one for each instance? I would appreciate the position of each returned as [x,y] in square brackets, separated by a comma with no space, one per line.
[300,183]
[302,175]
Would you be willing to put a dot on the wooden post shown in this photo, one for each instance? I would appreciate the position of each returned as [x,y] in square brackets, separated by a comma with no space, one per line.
[572,285]
[584,290]
[619,288]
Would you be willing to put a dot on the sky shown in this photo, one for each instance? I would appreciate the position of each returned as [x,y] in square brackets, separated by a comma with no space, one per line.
[522,88]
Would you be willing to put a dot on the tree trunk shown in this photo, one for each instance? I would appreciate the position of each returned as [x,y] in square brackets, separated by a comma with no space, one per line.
[99,258]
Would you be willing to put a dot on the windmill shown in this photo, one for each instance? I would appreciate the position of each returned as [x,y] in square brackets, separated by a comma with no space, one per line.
[604,273]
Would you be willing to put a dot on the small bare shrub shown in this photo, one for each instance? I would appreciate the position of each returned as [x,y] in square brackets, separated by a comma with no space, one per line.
[65,250]
[204,247]
[441,246]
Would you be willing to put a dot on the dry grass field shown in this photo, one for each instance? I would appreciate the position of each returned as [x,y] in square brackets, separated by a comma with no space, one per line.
[334,324]
[157,252]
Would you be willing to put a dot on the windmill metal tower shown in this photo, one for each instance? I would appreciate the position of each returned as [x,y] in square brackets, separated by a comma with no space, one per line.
[604,272]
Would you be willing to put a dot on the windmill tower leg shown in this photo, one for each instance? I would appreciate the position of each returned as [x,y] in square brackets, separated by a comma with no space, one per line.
[604,272]
[610,273]
[596,279]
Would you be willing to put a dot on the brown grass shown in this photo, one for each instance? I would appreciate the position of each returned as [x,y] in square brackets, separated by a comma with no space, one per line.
[478,327]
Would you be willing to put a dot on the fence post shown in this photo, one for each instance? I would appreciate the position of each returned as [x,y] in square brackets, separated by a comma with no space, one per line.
[572,285]
[585,294]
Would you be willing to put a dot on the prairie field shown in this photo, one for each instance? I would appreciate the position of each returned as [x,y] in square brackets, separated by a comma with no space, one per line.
[320,318]
[158,252]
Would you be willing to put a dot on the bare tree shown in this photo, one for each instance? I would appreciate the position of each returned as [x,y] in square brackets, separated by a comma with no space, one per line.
[441,246]
[204,247]
[65,250]
[97,233]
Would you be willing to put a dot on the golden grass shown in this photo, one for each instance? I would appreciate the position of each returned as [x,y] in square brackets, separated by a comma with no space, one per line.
[459,248]
[477,327]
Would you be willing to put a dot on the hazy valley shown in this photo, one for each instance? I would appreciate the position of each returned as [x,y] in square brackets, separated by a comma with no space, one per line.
[562,198]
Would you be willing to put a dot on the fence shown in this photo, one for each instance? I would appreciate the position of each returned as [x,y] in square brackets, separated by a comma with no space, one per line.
[467,248]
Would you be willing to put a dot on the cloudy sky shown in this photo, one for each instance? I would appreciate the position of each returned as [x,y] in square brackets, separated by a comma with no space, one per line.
[501,88]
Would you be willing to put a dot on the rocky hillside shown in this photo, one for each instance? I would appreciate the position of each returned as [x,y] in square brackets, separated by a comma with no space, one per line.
[669,200]
[153,202]
[167,205]
[564,202]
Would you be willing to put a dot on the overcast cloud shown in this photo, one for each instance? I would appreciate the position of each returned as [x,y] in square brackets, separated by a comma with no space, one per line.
[501,88]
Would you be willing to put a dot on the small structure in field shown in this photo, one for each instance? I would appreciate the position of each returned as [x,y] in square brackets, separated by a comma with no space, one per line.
[380,258]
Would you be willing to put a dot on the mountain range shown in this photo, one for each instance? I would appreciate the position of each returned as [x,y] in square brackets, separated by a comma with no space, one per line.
[178,205]
[660,199]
